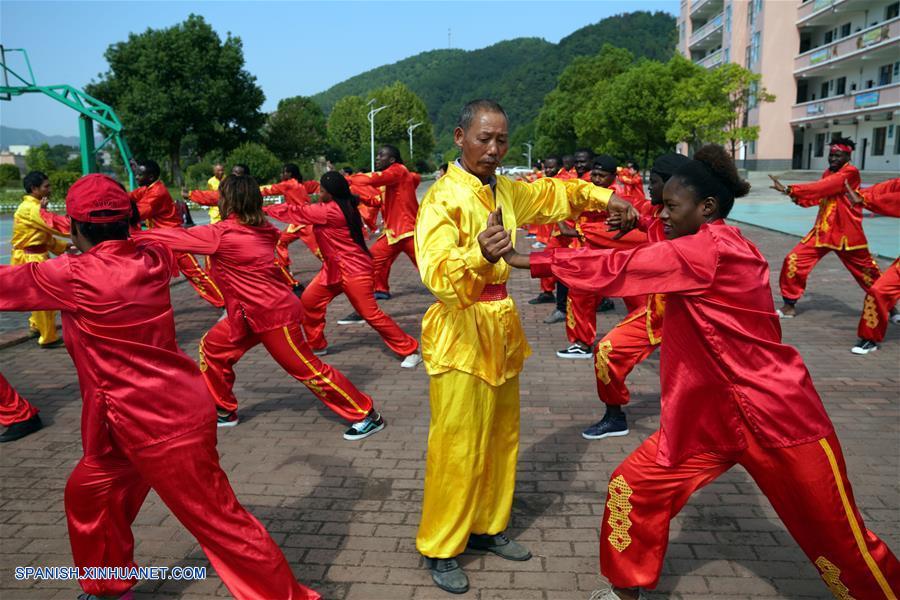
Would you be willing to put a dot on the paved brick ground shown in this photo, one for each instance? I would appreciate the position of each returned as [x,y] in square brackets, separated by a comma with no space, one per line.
[346,514]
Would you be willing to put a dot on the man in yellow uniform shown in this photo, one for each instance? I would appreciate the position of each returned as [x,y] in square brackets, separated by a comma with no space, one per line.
[472,340]
[33,238]
[212,184]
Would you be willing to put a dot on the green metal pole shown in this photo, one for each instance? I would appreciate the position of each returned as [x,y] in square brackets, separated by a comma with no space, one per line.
[88,153]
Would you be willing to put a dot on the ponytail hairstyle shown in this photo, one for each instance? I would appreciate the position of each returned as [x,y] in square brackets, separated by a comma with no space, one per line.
[240,195]
[335,184]
[711,173]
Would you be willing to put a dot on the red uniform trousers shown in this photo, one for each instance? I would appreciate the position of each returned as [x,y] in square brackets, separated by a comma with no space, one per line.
[291,235]
[878,304]
[800,261]
[104,494]
[620,350]
[13,407]
[384,255]
[806,484]
[200,279]
[548,284]
[219,354]
[359,289]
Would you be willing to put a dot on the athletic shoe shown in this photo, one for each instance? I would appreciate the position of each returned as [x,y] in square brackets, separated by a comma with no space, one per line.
[298,289]
[607,593]
[895,318]
[382,295]
[448,575]
[539,245]
[530,236]
[607,427]
[864,347]
[373,423]
[411,361]
[351,319]
[500,545]
[227,420]
[54,344]
[606,305]
[576,350]
[543,298]
[557,316]
[321,351]
[17,431]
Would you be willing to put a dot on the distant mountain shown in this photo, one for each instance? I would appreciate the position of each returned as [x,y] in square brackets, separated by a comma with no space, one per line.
[518,73]
[32,137]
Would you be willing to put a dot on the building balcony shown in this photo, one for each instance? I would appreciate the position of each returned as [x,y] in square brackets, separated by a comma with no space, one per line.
[886,97]
[706,8]
[709,35]
[831,12]
[867,44]
[712,60]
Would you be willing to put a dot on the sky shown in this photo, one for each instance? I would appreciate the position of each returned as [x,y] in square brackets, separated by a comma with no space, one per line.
[293,48]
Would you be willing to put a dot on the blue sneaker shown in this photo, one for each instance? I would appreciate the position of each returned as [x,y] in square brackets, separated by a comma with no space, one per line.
[607,427]
[373,423]
[382,295]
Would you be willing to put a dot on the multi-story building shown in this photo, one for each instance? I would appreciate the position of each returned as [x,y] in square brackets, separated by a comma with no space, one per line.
[831,64]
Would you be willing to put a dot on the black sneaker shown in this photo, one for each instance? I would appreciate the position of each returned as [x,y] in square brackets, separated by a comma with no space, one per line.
[448,575]
[606,305]
[17,431]
[543,298]
[864,347]
[576,350]
[382,295]
[607,427]
[298,289]
[54,344]
[351,319]
[227,420]
[373,423]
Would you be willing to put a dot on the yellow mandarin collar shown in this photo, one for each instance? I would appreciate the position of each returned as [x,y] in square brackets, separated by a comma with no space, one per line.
[28,197]
[482,190]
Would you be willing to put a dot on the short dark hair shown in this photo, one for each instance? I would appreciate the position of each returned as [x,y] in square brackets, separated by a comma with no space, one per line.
[102,232]
[393,152]
[34,179]
[152,168]
[291,168]
[845,141]
[583,150]
[444,167]
[473,107]
[244,167]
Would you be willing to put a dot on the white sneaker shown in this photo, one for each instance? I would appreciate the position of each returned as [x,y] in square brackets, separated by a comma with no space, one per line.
[321,352]
[539,245]
[895,319]
[781,315]
[864,347]
[607,593]
[411,361]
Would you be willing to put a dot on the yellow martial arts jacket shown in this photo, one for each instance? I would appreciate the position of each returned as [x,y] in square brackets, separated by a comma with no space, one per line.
[460,333]
[213,184]
[30,230]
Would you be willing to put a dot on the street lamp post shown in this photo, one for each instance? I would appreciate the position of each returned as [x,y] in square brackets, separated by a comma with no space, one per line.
[528,145]
[372,112]
[409,130]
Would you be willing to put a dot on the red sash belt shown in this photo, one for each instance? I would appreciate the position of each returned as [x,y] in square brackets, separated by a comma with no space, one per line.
[493,292]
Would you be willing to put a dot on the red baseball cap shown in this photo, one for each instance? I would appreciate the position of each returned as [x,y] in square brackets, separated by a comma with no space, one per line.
[97,192]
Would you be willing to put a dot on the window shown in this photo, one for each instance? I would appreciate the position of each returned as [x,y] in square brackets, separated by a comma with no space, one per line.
[754,50]
[829,37]
[820,144]
[751,14]
[891,11]
[840,86]
[727,54]
[845,30]
[824,93]
[896,141]
[880,134]
[728,19]
[884,74]
[751,100]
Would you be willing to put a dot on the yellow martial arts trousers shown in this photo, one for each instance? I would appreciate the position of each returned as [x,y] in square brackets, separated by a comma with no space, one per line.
[41,321]
[470,473]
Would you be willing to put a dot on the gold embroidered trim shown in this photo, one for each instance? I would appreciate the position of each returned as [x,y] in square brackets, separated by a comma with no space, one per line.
[832,576]
[619,509]
[601,361]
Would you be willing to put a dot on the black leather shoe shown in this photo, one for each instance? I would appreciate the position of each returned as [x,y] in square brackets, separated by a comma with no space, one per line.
[17,431]
[500,545]
[448,575]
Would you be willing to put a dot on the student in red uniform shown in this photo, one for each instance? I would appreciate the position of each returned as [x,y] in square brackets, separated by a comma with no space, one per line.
[552,167]
[630,183]
[158,211]
[147,423]
[878,307]
[17,414]
[296,192]
[261,308]
[346,267]
[399,208]
[732,393]
[838,228]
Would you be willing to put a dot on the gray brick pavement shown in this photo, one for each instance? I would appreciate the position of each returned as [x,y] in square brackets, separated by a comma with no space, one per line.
[345,514]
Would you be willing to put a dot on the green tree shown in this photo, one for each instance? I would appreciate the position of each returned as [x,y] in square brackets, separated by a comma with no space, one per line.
[167,84]
[9,174]
[348,131]
[264,166]
[404,108]
[296,131]
[38,159]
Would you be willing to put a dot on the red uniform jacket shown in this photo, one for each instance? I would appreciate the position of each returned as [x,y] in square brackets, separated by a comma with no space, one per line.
[882,198]
[631,184]
[138,388]
[400,206]
[722,356]
[294,191]
[242,263]
[839,222]
[341,256]
[156,205]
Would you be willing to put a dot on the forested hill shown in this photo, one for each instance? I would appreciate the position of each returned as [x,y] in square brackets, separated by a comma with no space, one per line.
[517,73]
